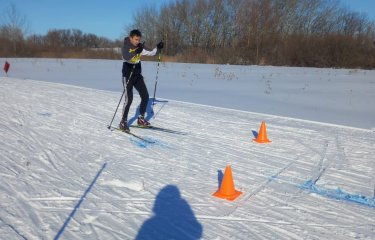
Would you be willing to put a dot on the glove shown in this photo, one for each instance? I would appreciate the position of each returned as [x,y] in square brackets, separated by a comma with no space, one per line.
[139,48]
[160,45]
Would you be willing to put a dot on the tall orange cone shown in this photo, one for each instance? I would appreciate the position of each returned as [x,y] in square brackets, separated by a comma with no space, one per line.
[227,190]
[262,135]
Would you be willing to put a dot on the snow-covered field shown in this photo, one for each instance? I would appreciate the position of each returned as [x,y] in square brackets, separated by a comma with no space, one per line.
[338,96]
[64,175]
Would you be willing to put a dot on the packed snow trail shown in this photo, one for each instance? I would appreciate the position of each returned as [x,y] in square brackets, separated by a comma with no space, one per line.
[71,215]
[54,138]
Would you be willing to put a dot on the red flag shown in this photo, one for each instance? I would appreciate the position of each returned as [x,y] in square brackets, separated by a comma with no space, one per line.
[6,66]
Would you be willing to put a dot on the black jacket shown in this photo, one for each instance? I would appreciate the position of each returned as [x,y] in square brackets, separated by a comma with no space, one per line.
[130,58]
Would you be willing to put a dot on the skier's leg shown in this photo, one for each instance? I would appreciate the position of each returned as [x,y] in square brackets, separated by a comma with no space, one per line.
[143,93]
[128,101]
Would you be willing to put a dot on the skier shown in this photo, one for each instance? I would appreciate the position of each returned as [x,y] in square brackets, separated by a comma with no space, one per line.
[132,76]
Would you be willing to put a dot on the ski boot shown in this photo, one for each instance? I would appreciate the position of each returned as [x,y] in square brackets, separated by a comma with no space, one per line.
[142,122]
[124,126]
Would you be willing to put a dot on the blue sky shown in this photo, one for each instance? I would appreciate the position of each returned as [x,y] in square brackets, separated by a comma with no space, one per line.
[365,6]
[106,18]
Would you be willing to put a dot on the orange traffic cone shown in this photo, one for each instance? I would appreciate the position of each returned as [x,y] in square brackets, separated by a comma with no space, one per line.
[227,190]
[262,135]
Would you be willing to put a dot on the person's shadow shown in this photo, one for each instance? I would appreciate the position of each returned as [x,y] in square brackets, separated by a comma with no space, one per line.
[149,110]
[173,218]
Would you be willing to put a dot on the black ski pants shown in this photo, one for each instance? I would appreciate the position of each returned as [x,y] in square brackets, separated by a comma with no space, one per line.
[132,77]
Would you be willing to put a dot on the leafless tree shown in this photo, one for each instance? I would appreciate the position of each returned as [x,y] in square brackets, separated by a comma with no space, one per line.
[14,26]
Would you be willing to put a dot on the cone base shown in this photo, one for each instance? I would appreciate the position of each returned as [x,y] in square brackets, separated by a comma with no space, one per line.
[262,141]
[231,197]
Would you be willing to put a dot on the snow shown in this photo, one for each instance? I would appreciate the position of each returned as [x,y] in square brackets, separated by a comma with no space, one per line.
[64,175]
[336,96]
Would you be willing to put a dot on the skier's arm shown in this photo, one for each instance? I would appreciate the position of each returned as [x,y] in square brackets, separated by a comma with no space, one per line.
[146,52]
[128,53]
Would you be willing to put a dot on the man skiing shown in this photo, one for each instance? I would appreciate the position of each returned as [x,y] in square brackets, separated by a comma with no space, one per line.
[132,51]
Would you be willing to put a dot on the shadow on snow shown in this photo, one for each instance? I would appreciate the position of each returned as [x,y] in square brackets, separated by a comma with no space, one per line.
[149,111]
[172,219]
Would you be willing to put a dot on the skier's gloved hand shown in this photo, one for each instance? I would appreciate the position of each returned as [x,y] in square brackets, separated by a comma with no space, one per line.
[160,45]
[139,48]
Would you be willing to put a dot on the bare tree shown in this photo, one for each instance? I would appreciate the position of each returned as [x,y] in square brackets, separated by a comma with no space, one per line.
[14,27]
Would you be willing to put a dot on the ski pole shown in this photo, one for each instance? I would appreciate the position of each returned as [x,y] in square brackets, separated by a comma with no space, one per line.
[122,95]
[156,82]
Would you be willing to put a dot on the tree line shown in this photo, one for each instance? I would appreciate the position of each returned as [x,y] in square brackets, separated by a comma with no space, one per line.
[315,33]
[16,42]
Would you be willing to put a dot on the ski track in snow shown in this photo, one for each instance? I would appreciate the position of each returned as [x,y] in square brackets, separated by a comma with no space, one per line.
[54,138]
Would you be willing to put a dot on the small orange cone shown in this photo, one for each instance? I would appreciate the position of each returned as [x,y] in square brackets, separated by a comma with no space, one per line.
[227,190]
[262,135]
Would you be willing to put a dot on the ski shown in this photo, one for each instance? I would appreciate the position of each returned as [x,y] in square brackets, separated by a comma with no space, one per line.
[160,129]
[132,134]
